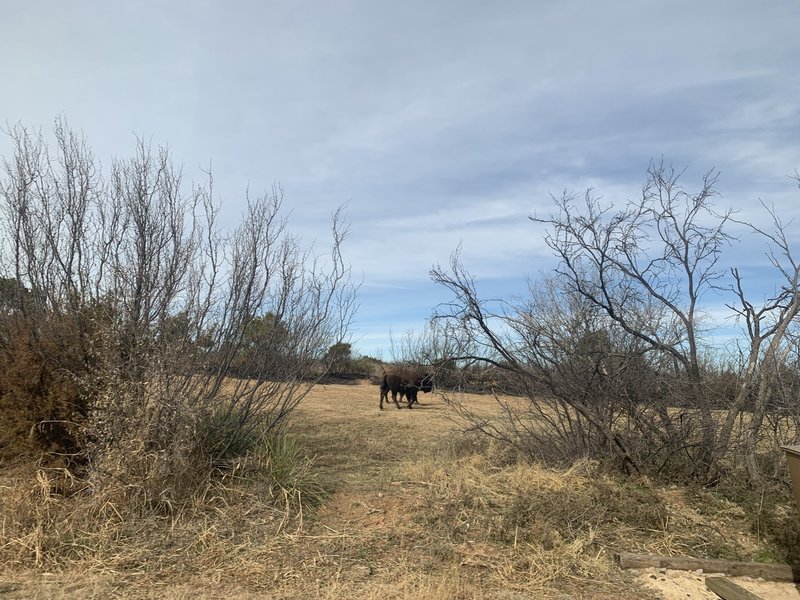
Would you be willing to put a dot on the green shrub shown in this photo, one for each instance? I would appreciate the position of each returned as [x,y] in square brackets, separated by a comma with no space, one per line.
[41,398]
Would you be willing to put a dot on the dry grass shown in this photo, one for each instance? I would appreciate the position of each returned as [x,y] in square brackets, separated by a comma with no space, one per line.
[413,510]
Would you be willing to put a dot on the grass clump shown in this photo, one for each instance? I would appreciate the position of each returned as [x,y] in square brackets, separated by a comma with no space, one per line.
[271,457]
[543,527]
[223,440]
[528,524]
[290,471]
[524,503]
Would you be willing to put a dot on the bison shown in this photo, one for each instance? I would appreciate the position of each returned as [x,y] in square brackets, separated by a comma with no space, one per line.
[405,382]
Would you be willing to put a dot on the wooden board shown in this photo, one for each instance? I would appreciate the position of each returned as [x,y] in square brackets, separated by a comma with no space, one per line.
[768,571]
[728,590]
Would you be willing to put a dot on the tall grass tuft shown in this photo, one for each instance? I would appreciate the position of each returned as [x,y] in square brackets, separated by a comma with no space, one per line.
[223,441]
[290,471]
[274,458]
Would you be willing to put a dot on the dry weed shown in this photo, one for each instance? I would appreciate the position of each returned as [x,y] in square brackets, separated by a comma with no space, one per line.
[539,528]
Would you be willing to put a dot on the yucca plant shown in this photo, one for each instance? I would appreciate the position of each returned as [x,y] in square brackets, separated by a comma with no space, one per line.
[290,471]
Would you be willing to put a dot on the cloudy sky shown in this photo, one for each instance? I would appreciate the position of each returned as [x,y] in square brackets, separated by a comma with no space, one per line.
[439,123]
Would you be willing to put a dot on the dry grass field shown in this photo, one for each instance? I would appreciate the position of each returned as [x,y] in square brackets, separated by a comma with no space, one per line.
[412,509]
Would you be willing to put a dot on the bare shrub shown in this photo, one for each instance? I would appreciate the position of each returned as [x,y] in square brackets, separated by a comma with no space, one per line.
[575,387]
[126,310]
[609,352]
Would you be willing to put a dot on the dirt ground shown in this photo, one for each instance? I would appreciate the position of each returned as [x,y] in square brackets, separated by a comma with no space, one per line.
[367,539]
[679,585]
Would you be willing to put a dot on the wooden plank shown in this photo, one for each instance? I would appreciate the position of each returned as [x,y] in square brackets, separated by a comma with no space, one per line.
[768,571]
[728,590]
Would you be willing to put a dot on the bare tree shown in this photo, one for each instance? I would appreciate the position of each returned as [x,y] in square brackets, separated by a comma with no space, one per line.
[768,329]
[647,267]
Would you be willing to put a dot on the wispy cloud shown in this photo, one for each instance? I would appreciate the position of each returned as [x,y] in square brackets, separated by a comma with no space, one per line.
[439,123]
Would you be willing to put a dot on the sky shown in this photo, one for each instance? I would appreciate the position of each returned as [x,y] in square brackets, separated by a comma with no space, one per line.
[439,124]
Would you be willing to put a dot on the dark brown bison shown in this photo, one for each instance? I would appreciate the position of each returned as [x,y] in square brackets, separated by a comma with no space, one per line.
[406,383]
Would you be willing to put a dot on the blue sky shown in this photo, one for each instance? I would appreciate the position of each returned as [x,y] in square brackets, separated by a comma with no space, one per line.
[439,123]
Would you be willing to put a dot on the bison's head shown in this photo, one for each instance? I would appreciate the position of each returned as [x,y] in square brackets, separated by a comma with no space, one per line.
[426,383]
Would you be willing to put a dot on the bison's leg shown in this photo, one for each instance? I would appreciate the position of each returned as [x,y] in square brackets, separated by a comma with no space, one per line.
[412,397]
[385,393]
[394,397]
